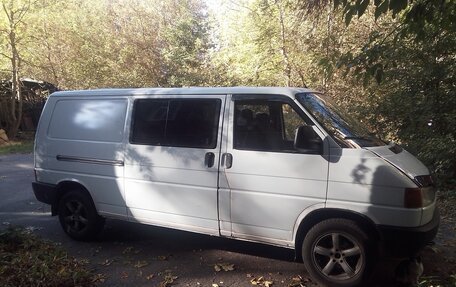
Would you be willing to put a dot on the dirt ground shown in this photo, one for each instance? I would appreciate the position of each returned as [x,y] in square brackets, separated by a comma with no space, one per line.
[439,260]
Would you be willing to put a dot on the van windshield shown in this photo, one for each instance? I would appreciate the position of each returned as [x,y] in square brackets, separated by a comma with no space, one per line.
[347,131]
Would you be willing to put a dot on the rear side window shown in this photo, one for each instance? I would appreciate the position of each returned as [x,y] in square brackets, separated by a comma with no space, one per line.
[90,120]
[176,122]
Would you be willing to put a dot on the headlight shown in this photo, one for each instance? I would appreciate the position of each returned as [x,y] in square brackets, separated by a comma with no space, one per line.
[428,194]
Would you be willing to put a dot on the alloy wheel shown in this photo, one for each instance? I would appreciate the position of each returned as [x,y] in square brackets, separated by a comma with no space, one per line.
[338,256]
[75,216]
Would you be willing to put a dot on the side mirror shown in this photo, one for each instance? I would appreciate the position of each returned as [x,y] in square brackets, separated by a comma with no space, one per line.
[308,141]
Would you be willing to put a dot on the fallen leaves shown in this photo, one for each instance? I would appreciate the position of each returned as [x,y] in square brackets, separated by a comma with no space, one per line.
[223,266]
[260,281]
[298,281]
[169,279]
[141,264]
[99,278]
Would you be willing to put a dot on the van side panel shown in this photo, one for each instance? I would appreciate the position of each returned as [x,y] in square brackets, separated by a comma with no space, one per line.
[82,141]
[170,186]
[363,182]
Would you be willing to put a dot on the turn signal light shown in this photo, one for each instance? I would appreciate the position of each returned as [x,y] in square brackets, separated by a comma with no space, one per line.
[419,197]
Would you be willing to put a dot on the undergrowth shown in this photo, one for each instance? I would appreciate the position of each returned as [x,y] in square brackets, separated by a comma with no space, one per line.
[27,260]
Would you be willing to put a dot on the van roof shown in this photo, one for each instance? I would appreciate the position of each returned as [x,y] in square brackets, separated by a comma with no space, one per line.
[185,91]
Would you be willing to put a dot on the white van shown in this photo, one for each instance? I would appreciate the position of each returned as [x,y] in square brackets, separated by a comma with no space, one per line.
[280,166]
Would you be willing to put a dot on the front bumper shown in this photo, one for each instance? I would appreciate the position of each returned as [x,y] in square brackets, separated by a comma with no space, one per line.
[408,241]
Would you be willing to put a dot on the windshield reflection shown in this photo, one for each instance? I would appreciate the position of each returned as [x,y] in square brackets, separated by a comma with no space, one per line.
[347,131]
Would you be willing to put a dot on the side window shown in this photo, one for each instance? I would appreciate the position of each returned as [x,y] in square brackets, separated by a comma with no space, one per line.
[149,122]
[176,122]
[265,125]
[291,121]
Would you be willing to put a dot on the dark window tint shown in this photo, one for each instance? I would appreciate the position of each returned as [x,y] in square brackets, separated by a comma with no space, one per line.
[265,125]
[149,121]
[176,122]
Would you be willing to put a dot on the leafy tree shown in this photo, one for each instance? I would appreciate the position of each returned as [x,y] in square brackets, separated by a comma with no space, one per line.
[185,45]
[14,37]
[122,44]
[411,58]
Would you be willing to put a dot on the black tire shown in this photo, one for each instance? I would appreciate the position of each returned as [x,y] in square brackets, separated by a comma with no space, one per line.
[78,216]
[336,253]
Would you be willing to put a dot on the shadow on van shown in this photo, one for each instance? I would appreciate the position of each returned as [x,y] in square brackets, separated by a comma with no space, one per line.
[176,241]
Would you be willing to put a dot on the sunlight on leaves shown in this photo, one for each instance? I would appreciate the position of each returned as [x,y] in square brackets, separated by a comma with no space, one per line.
[298,281]
[260,281]
[169,279]
[150,276]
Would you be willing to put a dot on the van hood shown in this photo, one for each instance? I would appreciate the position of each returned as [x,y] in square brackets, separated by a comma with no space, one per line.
[401,159]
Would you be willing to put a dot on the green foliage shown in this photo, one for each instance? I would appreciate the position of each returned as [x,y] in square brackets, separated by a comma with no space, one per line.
[16,147]
[415,15]
[26,260]
[97,44]
[412,61]
[186,44]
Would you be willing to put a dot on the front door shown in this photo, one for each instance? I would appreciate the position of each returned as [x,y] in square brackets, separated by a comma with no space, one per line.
[270,182]
[171,165]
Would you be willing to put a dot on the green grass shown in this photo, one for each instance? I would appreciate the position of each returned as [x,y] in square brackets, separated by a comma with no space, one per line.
[25,146]
[27,260]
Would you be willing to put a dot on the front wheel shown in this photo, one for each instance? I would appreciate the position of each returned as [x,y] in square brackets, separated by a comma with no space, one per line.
[335,253]
[78,216]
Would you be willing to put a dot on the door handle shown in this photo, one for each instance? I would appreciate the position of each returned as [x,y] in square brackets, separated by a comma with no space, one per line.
[227,160]
[209,159]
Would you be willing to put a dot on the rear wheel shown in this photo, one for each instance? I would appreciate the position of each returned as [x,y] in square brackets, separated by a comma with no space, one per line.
[78,216]
[335,253]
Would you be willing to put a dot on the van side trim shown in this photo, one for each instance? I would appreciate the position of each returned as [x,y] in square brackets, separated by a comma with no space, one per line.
[90,160]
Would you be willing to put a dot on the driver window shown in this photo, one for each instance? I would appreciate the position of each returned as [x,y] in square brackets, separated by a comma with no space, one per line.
[291,121]
[265,125]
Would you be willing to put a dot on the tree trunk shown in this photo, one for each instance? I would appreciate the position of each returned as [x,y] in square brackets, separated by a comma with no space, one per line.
[16,91]
[283,48]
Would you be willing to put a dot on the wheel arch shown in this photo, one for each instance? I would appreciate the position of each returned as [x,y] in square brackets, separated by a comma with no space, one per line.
[65,186]
[319,215]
